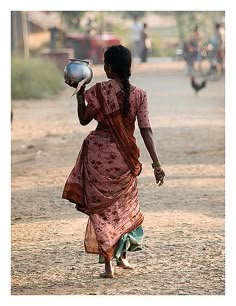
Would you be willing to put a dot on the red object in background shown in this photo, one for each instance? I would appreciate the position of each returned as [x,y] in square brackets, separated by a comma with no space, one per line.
[90,48]
[110,39]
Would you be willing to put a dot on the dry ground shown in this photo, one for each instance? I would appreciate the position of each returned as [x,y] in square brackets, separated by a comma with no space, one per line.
[183,251]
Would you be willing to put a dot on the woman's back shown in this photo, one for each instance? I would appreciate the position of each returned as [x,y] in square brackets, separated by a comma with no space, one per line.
[114,96]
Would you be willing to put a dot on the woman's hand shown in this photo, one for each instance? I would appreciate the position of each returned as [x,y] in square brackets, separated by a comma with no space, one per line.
[159,175]
[75,85]
[71,83]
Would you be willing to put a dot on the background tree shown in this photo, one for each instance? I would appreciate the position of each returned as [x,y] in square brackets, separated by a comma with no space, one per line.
[132,14]
[71,19]
[205,20]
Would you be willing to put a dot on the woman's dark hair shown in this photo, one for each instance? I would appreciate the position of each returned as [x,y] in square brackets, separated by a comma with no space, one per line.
[119,57]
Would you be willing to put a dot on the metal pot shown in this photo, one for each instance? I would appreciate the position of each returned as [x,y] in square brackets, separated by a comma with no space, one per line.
[77,70]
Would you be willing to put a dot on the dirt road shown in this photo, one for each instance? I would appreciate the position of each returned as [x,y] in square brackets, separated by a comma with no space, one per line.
[183,251]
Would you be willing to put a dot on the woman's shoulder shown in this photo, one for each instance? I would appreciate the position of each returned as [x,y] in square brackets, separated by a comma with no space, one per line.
[105,83]
[138,90]
[137,96]
[102,83]
[92,89]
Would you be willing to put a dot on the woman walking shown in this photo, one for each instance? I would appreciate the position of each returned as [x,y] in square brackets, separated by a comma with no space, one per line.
[145,43]
[103,182]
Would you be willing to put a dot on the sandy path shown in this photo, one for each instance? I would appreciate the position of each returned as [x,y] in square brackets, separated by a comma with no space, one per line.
[183,250]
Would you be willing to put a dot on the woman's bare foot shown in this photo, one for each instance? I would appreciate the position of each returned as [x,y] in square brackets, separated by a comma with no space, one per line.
[109,270]
[107,275]
[123,263]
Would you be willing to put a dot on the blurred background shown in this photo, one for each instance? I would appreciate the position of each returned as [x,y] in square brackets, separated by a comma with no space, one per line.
[57,36]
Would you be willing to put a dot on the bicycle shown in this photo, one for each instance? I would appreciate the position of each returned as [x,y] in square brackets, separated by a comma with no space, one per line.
[205,64]
[216,68]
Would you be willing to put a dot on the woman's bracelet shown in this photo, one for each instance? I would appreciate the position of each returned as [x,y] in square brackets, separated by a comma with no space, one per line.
[156,164]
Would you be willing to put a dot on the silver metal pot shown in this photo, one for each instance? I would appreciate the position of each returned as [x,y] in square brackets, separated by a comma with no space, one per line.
[77,70]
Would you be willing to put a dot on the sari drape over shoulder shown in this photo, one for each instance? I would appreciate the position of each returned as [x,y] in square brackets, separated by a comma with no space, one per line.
[121,133]
[103,182]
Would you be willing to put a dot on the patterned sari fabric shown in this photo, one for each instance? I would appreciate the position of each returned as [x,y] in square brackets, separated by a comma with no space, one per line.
[103,182]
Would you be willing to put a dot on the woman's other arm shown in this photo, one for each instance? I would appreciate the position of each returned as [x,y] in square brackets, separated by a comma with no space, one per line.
[147,136]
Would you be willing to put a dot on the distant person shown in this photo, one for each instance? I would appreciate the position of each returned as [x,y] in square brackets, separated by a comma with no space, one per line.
[195,40]
[194,48]
[90,27]
[136,36]
[217,43]
[90,30]
[222,48]
[145,43]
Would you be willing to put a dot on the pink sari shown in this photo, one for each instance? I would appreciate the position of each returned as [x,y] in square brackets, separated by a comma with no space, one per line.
[103,182]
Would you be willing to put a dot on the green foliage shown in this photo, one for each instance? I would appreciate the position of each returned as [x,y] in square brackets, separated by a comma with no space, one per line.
[132,14]
[186,21]
[124,33]
[165,40]
[72,19]
[162,41]
[34,78]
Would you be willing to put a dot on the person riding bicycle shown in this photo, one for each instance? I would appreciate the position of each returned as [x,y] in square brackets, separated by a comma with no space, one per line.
[216,47]
[193,48]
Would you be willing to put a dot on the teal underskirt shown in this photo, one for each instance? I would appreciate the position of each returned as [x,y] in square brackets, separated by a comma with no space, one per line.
[131,242]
